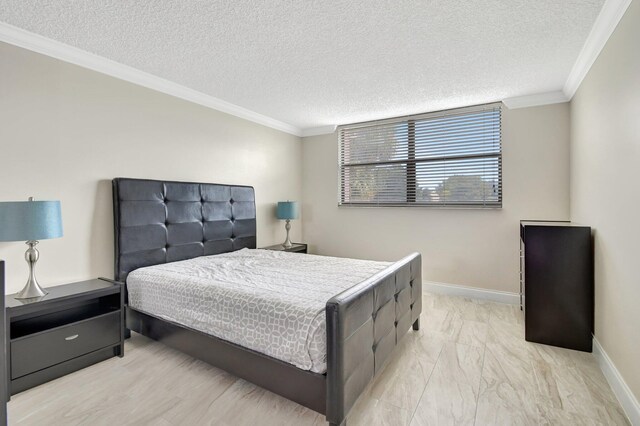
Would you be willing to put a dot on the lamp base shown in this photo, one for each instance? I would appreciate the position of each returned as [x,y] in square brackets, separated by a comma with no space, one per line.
[287,243]
[32,289]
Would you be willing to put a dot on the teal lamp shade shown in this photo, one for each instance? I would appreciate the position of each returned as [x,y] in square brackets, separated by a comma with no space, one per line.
[30,220]
[288,210]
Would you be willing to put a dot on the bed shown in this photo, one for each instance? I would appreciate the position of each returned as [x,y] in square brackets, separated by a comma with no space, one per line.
[196,237]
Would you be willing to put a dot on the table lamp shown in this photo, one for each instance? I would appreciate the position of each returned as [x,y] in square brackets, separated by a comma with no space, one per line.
[30,221]
[288,210]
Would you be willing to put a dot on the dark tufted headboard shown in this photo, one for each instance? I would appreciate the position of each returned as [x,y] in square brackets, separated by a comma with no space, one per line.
[161,221]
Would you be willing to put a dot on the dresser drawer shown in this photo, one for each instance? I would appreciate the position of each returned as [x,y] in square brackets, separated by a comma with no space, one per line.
[37,351]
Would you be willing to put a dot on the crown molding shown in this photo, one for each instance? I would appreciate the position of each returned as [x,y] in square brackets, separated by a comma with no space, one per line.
[606,22]
[537,99]
[316,131]
[610,15]
[46,46]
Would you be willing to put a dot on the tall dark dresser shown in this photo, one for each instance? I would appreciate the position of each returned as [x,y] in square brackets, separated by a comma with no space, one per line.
[556,283]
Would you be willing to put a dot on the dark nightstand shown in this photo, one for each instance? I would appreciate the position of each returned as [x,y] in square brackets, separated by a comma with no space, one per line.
[73,326]
[296,248]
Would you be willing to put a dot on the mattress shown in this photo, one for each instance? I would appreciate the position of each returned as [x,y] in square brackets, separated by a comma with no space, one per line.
[269,301]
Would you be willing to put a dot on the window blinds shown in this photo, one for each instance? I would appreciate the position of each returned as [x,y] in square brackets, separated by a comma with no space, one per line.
[448,158]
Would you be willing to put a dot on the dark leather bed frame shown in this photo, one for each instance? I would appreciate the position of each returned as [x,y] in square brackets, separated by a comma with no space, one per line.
[160,221]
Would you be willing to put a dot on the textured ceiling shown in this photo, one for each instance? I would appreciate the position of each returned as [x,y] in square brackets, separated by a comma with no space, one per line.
[316,63]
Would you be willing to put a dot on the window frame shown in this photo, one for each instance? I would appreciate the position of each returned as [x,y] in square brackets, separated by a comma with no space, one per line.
[412,162]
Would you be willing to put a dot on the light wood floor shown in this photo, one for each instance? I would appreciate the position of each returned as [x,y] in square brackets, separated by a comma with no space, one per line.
[468,365]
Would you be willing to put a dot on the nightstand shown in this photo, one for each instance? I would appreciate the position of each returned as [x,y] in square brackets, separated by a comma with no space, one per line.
[73,326]
[296,248]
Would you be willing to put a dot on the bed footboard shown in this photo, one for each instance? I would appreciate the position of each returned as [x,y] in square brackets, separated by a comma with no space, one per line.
[364,325]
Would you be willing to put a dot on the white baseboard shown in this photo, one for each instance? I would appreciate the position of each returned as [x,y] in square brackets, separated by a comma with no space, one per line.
[471,292]
[626,398]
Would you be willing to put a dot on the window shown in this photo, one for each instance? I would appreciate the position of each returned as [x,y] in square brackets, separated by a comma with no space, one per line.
[447,158]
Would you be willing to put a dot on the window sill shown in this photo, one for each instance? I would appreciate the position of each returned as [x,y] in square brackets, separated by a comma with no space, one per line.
[419,206]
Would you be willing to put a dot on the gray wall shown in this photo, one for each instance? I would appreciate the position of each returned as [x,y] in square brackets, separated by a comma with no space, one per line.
[605,189]
[67,131]
[478,248]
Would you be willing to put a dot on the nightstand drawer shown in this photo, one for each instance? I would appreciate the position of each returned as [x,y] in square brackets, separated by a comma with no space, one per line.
[35,352]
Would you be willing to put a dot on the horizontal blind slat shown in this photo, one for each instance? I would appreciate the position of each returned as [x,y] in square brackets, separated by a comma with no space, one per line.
[449,158]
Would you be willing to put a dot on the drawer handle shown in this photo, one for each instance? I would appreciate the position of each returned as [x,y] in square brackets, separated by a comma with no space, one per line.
[75,336]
